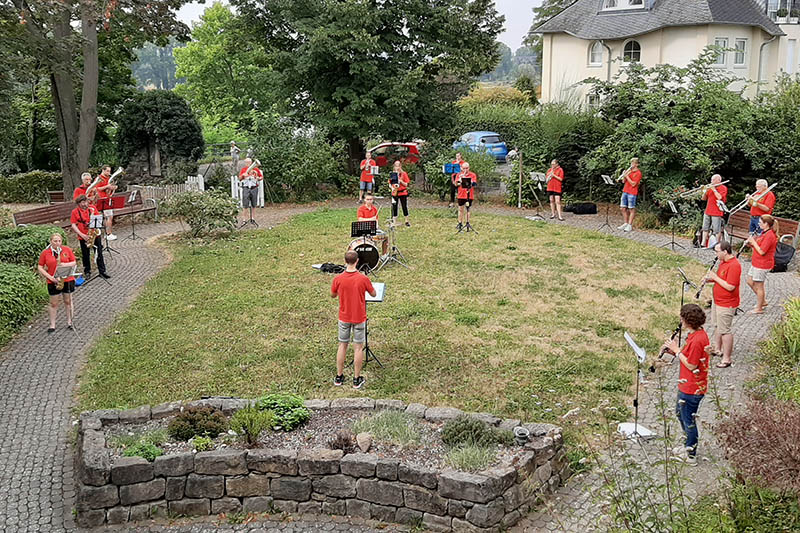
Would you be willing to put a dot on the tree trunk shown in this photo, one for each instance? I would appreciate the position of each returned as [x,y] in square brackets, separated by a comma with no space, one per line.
[91,69]
[355,151]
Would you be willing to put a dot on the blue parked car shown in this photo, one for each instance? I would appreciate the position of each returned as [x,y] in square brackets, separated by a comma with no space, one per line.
[483,141]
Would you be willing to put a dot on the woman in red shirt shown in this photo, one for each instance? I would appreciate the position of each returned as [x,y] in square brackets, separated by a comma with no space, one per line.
[555,179]
[763,259]
[399,192]
[48,262]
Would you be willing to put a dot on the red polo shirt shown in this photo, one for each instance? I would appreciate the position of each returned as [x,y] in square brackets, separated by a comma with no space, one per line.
[467,194]
[366,211]
[769,201]
[767,241]
[731,272]
[636,176]
[712,209]
[694,350]
[366,171]
[48,261]
[79,190]
[82,217]
[553,184]
[351,288]
[402,184]
[102,183]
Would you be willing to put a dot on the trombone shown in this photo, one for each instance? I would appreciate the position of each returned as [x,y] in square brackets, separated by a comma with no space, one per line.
[741,205]
[701,189]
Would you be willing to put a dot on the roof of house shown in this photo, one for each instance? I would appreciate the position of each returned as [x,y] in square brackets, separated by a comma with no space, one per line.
[584,18]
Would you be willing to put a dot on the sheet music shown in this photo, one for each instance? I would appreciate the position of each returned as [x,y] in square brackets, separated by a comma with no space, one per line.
[380,289]
[639,351]
[64,271]
[96,222]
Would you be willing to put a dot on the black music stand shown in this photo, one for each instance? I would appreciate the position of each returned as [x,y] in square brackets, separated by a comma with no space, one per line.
[369,355]
[608,181]
[132,236]
[110,203]
[672,244]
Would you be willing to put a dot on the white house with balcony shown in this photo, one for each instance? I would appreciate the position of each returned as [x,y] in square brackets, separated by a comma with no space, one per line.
[596,38]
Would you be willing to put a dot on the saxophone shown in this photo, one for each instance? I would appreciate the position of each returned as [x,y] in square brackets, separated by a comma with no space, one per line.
[91,236]
[59,281]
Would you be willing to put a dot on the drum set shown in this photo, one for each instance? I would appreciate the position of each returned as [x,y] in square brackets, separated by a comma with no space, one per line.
[375,248]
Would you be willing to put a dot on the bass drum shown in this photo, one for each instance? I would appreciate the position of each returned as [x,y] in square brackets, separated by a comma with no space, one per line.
[368,255]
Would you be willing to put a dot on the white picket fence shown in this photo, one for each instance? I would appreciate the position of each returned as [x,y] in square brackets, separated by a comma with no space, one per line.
[162,192]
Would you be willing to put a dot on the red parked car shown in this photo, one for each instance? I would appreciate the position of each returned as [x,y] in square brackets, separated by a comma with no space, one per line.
[387,153]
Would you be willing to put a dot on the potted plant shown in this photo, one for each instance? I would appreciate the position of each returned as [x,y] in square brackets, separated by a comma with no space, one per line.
[782,13]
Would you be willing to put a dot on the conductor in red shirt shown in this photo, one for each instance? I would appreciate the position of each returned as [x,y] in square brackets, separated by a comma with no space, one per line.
[49,260]
[351,287]
[763,259]
[712,216]
[555,181]
[726,280]
[466,195]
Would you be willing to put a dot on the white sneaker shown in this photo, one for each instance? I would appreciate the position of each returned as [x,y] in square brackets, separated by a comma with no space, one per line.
[628,227]
[622,227]
[112,237]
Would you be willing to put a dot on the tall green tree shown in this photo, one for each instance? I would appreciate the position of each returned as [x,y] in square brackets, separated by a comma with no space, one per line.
[543,13]
[225,67]
[155,66]
[504,65]
[362,68]
[64,36]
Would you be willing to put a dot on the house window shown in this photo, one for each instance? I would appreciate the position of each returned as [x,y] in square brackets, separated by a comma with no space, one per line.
[722,56]
[596,54]
[740,57]
[632,52]
[609,4]
[634,3]
[616,5]
[592,101]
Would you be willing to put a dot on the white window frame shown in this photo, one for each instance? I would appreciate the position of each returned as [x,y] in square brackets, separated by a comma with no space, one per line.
[625,45]
[618,5]
[740,52]
[591,53]
[722,59]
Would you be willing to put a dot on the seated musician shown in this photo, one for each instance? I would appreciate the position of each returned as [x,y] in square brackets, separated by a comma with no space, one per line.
[368,212]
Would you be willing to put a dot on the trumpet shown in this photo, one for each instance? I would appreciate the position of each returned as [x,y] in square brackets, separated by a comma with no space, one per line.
[665,349]
[701,189]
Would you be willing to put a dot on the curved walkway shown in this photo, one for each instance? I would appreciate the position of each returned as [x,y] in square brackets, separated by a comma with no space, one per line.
[38,373]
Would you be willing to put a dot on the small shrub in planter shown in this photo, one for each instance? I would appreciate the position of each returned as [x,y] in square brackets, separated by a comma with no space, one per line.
[289,409]
[393,426]
[202,444]
[470,457]
[467,430]
[144,449]
[198,422]
[250,422]
[343,440]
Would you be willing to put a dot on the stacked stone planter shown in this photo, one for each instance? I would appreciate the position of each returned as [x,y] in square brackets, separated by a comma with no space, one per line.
[318,481]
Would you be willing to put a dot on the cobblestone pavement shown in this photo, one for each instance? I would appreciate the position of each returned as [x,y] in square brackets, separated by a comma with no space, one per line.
[38,373]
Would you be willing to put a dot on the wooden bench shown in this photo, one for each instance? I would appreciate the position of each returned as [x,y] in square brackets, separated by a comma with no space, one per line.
[55,197]
[58,214]
[739,227]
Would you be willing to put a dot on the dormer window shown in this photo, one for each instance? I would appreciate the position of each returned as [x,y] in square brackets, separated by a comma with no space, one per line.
[617,5]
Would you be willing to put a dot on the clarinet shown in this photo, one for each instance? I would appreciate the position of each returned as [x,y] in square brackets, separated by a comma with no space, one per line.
[705,278]
[665,349]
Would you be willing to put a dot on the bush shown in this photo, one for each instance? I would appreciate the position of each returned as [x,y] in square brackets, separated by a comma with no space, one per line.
[24,244]
[466,430]
[29,187]
[6,218]
[527,85]
[495,95]
[250,422]
[179,169]
[393,426]
[482,164]
[197,422]
[145,450]
[289,409]
[470,457]
[202,444]
[204,212]
[780,357]
[22,295]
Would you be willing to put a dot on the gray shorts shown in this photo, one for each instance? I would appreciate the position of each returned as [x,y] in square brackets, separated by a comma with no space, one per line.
[712,223]
[758,274]
[250,197]
[358,332]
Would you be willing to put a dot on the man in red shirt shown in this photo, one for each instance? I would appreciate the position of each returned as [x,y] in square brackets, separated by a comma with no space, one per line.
[693,378]
[555,180]
[763,259]
[726,282]
[761,203]
[105,189]
[84,187]
[454,179]
[712,217]
[49,260]
[249,180]
[80,219]
[367,178]
[368,211]
[351,287]
[466,194]
[627,204]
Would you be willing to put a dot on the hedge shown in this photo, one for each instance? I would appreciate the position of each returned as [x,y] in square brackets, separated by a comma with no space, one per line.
[22,295]
[24,244]
[29,187]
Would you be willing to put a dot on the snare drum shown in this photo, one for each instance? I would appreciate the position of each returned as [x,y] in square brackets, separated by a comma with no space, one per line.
[368,256]
[382,239]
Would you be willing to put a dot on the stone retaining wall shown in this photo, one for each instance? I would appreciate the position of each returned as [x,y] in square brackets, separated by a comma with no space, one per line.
[317,481]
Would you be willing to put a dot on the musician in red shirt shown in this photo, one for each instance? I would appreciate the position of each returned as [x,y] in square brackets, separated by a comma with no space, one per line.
[761,202]
[351,287]
[399,191]
[249,181]
[367,178]
[627,204]
[763,259]
[84,187]
[555,181]
[80,218]
[693,377]
[466,195]
[726,280]
[712,217]
[49,261]
[368,211]
[454,179]
[106,190]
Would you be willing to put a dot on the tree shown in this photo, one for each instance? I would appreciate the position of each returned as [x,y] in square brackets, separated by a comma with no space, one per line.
[63,35]
[365,68]
[504,66]
[155,66]
[541,14]
[226,70]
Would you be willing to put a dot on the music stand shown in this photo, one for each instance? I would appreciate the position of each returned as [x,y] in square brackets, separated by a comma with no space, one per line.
[132,236]
[380,292]
[627,429]
[113,202]
[539,178]
[608,181]
[672,244]
[96,222]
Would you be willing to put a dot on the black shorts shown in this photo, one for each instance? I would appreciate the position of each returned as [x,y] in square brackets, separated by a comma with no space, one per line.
[553,193]
[69,286]
[465,201]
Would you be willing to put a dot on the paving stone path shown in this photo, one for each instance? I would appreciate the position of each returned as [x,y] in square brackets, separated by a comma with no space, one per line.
[38,373]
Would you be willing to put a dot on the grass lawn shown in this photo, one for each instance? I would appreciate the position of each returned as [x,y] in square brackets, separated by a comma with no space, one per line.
[523,320]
